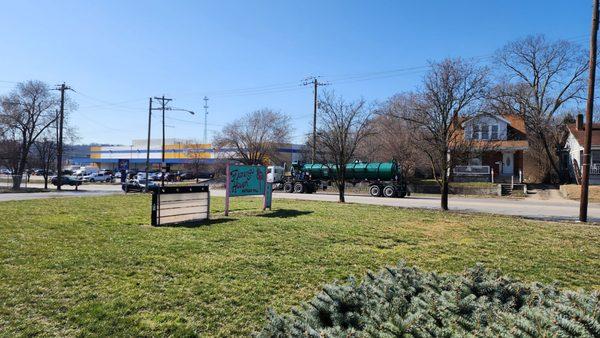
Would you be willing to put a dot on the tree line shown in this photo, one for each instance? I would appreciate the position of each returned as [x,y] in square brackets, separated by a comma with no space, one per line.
[537,79]
[28,129]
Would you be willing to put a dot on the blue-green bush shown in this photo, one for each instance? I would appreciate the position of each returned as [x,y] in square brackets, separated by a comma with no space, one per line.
[405,302]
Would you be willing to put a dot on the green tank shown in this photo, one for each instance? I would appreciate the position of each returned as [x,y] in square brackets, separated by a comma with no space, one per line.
[359,171]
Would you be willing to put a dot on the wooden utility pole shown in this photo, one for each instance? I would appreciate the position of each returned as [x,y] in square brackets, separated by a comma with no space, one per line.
[589,114]
[59,146]
[163,102]
[148,142]
[315,82]
[314,136]
[205,120]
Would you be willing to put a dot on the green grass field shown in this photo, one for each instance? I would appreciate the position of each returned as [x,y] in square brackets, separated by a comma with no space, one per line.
[92,266]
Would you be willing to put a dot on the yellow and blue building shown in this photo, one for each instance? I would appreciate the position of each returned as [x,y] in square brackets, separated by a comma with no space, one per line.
[178,153]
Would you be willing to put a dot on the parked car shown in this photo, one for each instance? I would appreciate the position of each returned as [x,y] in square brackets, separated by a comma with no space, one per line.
[152,176]
[138,185]
[66,180]
[5,171]
[98,177]
[188,175]
[41,172]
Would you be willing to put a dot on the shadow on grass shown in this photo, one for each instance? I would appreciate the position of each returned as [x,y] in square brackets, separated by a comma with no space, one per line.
[198,224]
[286,213]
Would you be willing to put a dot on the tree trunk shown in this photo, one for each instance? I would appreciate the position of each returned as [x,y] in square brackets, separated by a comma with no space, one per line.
[16,178]
[551,159]
[341,189]
[445,192]
[46,181]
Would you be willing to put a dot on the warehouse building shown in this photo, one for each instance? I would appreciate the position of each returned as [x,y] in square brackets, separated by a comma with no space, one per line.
[178,154]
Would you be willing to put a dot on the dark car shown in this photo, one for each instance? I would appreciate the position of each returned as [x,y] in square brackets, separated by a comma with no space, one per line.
[42,172]
[137,185]
[66,180]
[188,175]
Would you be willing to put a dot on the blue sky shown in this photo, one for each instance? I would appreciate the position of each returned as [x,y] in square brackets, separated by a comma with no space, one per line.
[116,54]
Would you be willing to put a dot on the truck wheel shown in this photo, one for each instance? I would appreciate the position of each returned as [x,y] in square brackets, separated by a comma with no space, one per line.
[288,187]
[92,180]
[389,191]
[299,188]
[375,190]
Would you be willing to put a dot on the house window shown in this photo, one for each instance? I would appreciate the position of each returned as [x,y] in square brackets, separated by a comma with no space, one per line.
[475,132]
[494,132]
[485,132]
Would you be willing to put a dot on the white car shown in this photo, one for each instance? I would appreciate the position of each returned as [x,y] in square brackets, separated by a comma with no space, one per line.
[97,177]
[152,176]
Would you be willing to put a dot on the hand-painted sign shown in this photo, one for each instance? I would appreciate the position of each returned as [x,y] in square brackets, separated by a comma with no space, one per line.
[247,180]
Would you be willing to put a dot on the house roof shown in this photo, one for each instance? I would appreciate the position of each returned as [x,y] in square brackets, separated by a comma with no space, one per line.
[514,122]
[517,122]
[580,134]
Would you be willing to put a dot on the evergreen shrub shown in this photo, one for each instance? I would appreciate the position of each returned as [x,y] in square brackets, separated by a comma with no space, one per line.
[403,301]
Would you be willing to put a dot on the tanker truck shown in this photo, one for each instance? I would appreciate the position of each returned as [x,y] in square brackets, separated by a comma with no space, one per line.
[384,178]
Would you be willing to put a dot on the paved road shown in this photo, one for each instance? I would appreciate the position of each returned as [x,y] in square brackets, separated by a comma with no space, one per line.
[553,209]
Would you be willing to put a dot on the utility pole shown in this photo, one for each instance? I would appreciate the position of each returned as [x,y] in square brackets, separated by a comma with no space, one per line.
[59,147]
[163,106]
[205,120]
[315,82]
[148,142]
[163,102]
[589,113]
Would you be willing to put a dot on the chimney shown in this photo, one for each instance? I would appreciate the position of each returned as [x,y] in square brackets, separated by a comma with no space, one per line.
[579,122]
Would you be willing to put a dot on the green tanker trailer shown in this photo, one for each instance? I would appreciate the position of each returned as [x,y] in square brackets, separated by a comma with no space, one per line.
[384,178]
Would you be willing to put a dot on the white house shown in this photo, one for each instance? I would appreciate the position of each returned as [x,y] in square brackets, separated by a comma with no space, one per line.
[573,151]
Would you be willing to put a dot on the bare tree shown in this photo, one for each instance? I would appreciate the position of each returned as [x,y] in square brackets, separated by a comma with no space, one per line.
[44,155]
[196,153]
[453,90]
[26,113]
[255,138]
[343,127]
[540,78]
[393,138]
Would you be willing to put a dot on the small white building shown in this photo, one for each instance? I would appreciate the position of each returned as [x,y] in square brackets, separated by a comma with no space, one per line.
[573,151]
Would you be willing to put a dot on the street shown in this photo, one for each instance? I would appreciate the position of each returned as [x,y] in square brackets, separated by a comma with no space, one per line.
[552,209]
